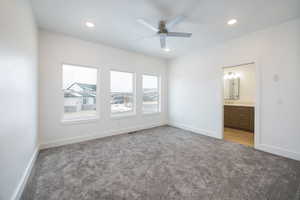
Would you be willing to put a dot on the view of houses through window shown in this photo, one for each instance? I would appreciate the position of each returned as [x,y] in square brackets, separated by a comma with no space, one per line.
[79,87]
[80,92]
[150,94]
[122,92]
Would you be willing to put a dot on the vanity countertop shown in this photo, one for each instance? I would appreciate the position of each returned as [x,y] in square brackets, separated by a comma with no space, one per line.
[236,104]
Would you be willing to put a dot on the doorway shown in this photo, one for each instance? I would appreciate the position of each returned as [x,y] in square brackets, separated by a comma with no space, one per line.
[239,103]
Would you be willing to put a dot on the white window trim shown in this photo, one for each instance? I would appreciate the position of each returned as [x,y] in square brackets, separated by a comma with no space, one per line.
[123,115]
[126,114]
[159,79]
[81,120]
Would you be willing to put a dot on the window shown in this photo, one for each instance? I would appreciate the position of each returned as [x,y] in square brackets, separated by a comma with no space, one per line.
[150,94]
[80,92]
[122,92]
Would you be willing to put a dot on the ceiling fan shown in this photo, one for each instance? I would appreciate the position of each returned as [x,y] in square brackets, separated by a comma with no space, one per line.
[163,29]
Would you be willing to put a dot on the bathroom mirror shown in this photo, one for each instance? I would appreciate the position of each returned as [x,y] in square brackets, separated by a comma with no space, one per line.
[231,86]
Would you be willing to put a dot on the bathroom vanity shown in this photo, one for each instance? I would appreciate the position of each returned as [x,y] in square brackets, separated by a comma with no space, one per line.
[239,116]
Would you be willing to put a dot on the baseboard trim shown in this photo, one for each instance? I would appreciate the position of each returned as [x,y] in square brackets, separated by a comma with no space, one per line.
[263,147]
[278,151]
[21,186]
[192,129]
[104,134]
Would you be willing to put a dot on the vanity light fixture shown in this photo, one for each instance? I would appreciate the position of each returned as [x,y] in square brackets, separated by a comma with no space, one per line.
[231,75]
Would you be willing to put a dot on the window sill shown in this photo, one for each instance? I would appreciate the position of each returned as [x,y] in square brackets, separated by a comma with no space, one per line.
[151,113]
[122,115]
[80,120]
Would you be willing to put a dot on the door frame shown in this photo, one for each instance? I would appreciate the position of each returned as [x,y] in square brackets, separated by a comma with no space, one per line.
[257,108]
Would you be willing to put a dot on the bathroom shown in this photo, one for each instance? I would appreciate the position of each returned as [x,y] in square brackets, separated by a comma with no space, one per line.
[239,103]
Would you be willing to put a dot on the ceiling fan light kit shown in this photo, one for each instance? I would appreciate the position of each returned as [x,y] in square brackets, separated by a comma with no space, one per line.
[163,30]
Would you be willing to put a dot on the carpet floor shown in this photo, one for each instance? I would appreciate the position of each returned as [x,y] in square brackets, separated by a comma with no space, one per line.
[161,163]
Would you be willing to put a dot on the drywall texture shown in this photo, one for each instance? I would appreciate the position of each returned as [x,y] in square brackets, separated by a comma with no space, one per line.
[56,49]
[18,86]
[247,83]
[195,86]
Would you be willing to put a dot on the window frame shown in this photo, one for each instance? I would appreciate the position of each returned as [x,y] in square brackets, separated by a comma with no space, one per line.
[81,120]
[159,79]
[134,86]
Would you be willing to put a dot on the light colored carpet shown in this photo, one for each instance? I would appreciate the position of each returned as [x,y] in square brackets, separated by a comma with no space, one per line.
[161,163]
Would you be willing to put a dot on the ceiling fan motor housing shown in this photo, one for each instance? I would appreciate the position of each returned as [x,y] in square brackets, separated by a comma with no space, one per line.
[162,28]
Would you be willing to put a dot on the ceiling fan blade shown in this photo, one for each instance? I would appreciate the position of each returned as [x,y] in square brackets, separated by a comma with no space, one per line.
[147,24]
[175,21]
[178,34]
[163,41]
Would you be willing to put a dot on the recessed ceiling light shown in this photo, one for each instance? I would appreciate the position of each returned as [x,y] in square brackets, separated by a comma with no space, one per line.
[232,22]
[89,24]
[167,49]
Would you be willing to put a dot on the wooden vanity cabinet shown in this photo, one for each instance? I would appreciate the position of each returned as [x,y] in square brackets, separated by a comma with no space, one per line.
[239,117]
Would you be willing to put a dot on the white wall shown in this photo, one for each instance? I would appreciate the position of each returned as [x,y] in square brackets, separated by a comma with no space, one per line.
[18,102]
[195,86]
[247,83]
[56,49]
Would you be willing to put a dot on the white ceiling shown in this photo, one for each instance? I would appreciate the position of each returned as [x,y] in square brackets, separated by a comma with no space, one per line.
[116,20]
